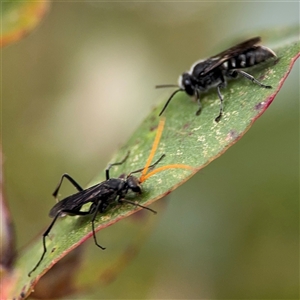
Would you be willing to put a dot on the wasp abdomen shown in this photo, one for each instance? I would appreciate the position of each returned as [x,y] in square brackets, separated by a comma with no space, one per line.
[249,58]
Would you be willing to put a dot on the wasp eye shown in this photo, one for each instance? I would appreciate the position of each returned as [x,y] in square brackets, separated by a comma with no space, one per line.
[187,84]
[134,184]
[189,88]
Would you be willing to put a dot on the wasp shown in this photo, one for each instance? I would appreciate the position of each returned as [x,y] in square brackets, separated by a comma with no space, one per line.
[105,193]
[214,71]
[101,196]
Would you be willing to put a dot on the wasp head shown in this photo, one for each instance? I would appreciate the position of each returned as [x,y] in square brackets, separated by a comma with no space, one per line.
[186,83]
[133,184]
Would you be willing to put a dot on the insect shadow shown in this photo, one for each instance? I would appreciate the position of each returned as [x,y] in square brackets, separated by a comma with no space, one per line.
[216,70]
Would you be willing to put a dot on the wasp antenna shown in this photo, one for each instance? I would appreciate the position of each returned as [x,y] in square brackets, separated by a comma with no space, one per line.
[170,98]
[160,169]
[165,86]
[150,167]
[154,164]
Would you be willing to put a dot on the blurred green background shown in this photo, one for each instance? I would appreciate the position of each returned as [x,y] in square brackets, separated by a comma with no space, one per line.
[75,89]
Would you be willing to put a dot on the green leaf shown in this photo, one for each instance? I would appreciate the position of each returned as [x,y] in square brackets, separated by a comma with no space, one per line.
[18,18]
[186,139]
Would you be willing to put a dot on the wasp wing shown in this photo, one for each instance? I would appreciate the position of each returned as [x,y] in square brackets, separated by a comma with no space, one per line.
[76,201]
[221,57]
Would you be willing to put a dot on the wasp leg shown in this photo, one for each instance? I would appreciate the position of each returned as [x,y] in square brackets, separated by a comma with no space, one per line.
[115,164]
[67,176]
[94,210]
[136,204]
[199,103]
[221,85]
[45,234]
[250,77]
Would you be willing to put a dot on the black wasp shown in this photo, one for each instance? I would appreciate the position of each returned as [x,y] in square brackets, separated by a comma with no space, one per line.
[214,71]
[100,195]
